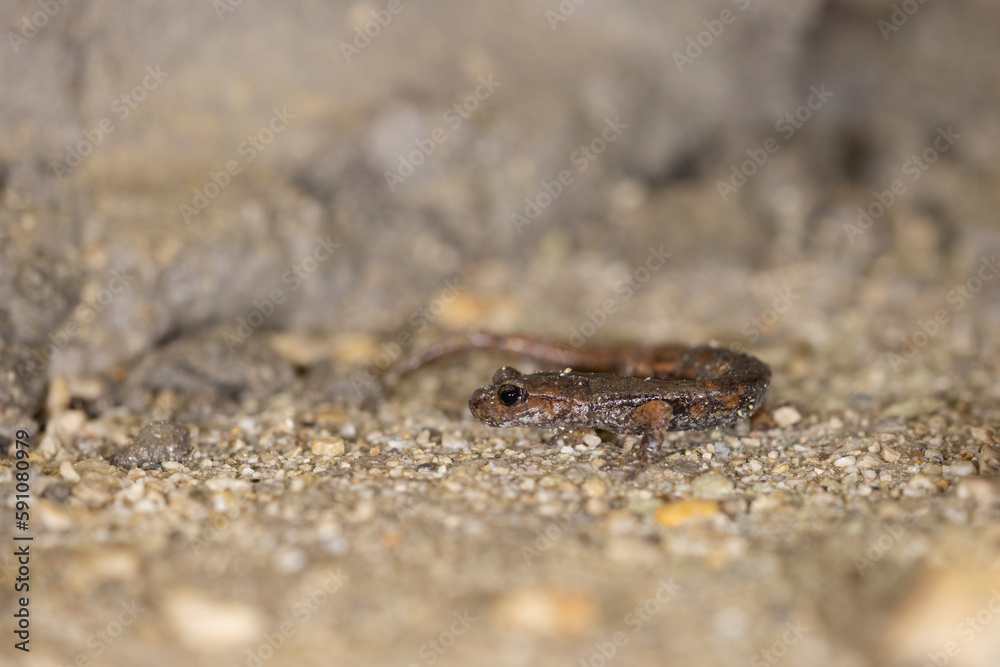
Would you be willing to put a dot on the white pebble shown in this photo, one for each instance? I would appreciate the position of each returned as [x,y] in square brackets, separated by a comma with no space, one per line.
[449,441]
[68,472]
[845,461]
[592,440]
[961,468]
[785,416]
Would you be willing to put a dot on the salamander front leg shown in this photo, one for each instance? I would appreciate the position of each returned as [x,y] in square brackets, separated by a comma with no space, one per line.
[655,416]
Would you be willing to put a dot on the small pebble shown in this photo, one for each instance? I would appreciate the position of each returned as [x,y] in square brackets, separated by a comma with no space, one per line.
[333,446]
[68,472]
[547,612]
[961,468]
[979,433]
[449,441]
[206,623]
[868,461]
[983,492]
[157,442]
[890,455]
[711,485]
[680,512]
[989,460]
[785,416]
[592,440]
[845,461]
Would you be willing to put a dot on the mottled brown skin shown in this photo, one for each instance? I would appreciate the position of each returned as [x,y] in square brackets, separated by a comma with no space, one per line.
[637,390]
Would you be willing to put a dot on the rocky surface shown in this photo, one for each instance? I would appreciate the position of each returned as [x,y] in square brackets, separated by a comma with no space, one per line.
[311,512]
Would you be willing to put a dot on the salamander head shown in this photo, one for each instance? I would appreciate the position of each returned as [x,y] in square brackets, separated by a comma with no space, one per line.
[538,400]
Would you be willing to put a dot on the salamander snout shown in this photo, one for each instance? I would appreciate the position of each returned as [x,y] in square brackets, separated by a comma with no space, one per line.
[497,403]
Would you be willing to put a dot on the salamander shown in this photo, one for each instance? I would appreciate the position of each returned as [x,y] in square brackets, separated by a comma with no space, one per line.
[630,390]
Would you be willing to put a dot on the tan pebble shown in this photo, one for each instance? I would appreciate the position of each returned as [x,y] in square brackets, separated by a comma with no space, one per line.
[594,488]
[625,550]
[592,440]
[868,461]
[206,623]
[547,612]
[354,348]
[66,425]
[333,446]
[68,472]
[711,485]
[785,416]
[58,397]
[97,467]
[920,481]
[982,492]
[979,433]
[681,512]
[948,616]
[933,469]
[92,494]
[596,507]
[845,461]
[989,460]
[890,455]
[53,517]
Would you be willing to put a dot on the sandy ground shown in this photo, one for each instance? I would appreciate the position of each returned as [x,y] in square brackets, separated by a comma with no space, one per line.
[219,478]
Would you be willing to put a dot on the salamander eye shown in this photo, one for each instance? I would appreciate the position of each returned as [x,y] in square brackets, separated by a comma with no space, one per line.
[511,394]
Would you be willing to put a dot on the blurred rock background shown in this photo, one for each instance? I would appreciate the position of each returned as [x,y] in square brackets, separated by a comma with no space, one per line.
[176,174]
